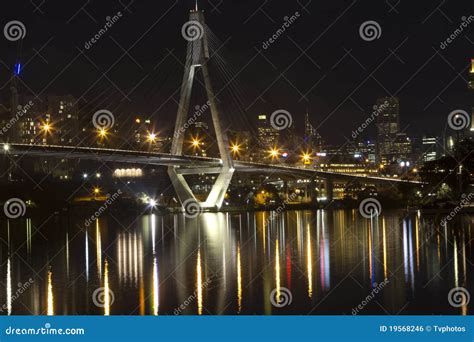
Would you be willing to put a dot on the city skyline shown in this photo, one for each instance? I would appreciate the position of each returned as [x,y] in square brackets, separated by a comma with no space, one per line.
[334,107]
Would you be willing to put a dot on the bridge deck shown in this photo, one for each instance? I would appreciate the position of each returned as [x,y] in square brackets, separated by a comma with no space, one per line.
[165,159]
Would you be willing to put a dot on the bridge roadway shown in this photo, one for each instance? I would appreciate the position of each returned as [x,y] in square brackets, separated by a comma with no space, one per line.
[192,164]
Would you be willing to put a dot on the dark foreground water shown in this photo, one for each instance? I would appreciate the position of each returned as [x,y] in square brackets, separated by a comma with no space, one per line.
[301,262]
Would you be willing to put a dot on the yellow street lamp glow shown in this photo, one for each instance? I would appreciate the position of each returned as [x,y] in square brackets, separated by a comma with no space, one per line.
[274,152]
[96,190]
[195,143]
[235,148]
[46,127]
[151,137]
[102,132]
[306,156]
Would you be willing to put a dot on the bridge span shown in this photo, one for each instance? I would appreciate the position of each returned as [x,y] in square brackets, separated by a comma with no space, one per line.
[191,164]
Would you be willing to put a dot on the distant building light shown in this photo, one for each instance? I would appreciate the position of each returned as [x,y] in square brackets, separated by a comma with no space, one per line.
[85,175]
[321,154]
[357,155]
[128,173]
[284,154]
[262,117]
[17,70]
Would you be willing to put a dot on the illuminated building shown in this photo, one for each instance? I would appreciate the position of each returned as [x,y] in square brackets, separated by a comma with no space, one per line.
[471,75]
[312,138]
[429,148]
[63,113]
[267,135]
[388,126]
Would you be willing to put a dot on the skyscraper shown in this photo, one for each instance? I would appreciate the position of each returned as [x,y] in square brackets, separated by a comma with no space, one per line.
[267,135]
[388,126]
[311,136]
[63,112]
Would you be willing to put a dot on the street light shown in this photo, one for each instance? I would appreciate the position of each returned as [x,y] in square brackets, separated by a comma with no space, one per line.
[46,128]
[274,153]
[235,148]
[151,137]
[102,132]
[196,142]
[306,157]
[6,147]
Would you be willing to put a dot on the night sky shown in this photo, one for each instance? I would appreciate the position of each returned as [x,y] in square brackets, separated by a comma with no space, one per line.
[320,63]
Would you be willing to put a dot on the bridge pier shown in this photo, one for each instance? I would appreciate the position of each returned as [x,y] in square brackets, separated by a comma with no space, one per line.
[329,187]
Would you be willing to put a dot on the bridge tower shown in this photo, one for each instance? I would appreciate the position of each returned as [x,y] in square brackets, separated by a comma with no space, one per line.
[197,58]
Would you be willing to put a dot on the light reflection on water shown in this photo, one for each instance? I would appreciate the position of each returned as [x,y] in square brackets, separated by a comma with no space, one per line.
[230,263]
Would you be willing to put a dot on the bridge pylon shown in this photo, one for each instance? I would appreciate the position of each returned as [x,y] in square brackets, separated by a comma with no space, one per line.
[197,57]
